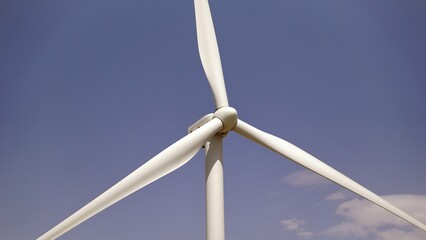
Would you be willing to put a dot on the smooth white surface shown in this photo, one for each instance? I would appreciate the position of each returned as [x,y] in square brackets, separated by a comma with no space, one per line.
[209,52]
[215,213]
[303,158]
[228,116]
[165,162]
[207,118]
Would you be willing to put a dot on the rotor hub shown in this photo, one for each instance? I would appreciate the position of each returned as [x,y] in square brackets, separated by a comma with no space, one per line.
[229,118]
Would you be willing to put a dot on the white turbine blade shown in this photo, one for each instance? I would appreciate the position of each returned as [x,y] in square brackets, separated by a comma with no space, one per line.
[209,52]
[165,162]
[303,158]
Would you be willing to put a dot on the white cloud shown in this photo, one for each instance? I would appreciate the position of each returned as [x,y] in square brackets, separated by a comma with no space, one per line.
[292,224]
[364,219]
[339,195]
[361,218]
[305,178]
[393,234]
[295,225]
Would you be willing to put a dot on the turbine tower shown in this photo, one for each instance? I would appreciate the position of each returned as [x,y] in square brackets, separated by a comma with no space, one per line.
[209,132]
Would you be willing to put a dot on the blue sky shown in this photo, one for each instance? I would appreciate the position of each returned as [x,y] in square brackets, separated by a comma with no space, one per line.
[89,91]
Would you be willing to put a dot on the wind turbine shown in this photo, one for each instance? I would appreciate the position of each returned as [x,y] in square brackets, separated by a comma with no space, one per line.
[209,131]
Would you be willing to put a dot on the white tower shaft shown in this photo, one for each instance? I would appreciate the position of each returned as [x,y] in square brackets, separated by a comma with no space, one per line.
[215,215]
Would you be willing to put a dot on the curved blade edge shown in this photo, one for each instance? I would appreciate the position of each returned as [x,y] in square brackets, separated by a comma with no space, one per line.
[303,158]
[162,164]
[209,52]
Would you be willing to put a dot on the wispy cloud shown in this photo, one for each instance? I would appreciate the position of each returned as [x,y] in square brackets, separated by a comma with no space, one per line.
[363,219]
[305,178]
[296,225]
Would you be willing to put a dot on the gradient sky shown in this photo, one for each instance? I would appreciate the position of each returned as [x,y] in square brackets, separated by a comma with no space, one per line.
[90,90]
